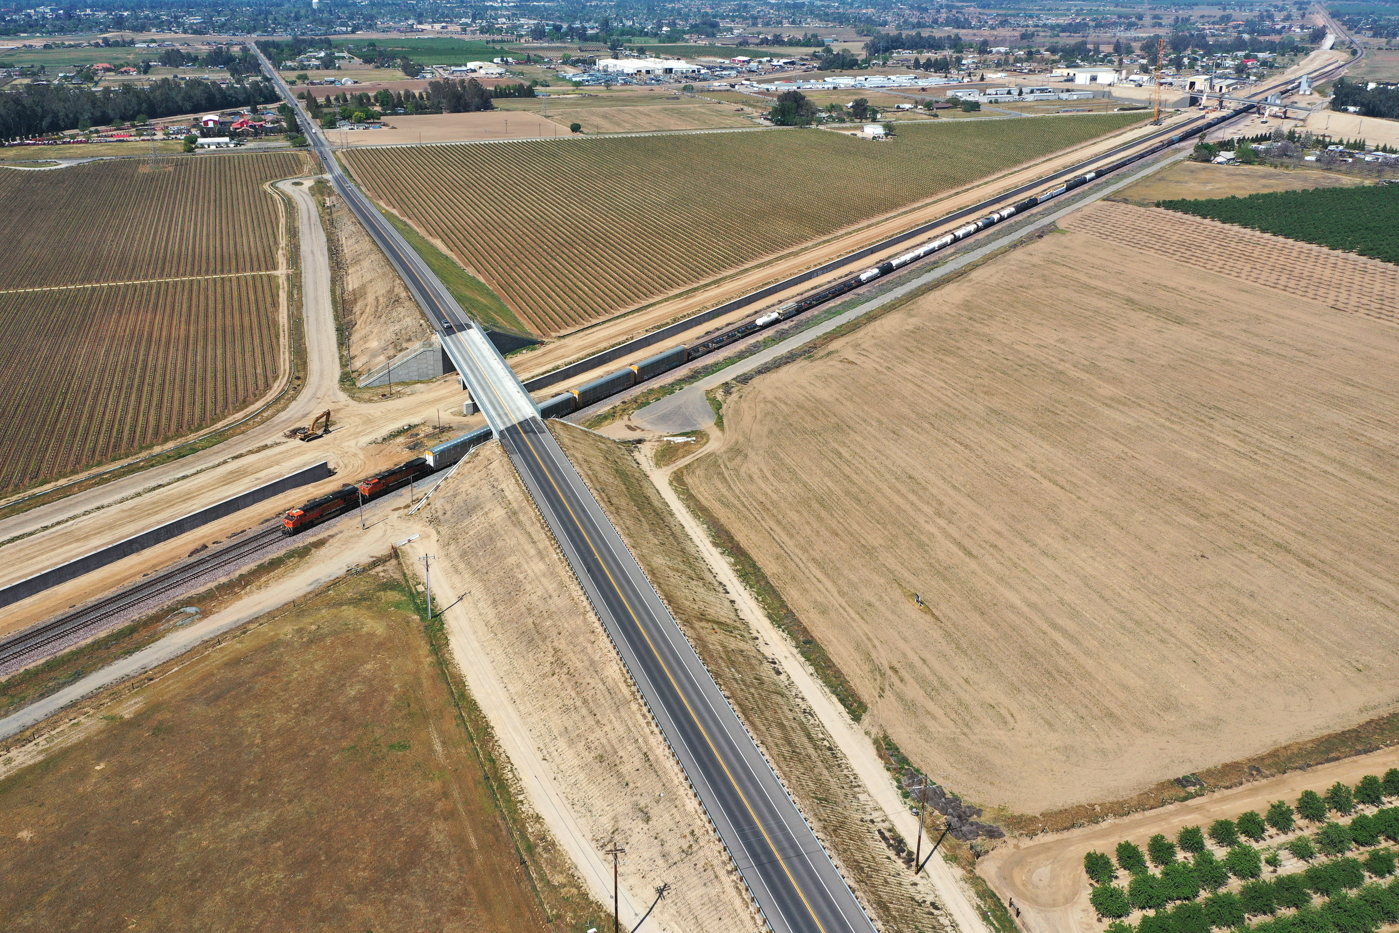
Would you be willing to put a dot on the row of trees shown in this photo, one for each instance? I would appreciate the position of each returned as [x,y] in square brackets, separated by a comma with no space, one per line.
[1182,880]
[1369,907]
[38,109]
[450,96]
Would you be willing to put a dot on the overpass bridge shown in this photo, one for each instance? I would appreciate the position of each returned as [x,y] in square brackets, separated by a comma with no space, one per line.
[792,879]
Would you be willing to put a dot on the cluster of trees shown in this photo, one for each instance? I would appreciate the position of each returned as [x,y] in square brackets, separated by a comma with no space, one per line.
[38,109]
[886,43]
[1188,866]
[238,62]
[450,96]
[943,64]
[829,59]
[793,109]
[1379,102]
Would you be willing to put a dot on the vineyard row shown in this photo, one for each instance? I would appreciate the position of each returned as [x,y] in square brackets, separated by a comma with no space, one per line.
[90,376]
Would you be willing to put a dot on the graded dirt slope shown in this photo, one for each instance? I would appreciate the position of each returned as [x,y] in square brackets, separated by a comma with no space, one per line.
[543,670]
[311,774]
[378,318]
[1148,509]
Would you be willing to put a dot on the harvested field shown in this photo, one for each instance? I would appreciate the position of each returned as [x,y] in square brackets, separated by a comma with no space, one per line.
[310,774]
[1354,284]
[649,119]
[1207,180]
[504,210]
[544,672]
[821,779]
[91,374]
[125,222]
[1147,507]
[426,128]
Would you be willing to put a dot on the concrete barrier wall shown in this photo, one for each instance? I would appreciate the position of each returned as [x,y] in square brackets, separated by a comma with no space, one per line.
[115,552]
[425,361]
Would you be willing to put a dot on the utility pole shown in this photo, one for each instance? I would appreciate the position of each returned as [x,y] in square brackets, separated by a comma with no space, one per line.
[616,852]
[360,496]
[427,573]
[922,810]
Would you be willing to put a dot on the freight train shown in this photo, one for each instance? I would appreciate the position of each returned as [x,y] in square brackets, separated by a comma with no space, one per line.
[444,455]
[349,496]
[587,394]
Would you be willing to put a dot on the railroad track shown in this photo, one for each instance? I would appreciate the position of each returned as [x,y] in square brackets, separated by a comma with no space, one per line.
[23,646]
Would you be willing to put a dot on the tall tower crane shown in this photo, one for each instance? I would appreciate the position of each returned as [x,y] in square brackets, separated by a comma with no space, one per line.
[1156,96]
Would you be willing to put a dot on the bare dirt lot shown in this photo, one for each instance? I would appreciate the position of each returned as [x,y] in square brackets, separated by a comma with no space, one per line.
[541,667]
[1145,505]
[1207,180]
[1353,126]
[1045,875]
[450,128]
[311,774]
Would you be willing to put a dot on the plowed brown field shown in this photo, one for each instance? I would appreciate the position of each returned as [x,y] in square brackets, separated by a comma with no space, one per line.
[1149,508]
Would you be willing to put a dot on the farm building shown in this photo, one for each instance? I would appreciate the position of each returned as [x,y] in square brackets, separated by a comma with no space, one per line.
[873,131]
[215,142]
[1091,74]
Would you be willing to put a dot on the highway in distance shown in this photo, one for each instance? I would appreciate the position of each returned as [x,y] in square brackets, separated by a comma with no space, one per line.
[792,878]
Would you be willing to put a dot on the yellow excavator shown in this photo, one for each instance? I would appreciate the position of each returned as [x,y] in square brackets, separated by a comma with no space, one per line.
[311,433]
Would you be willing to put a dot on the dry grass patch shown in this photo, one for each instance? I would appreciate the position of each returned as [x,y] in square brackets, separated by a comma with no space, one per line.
[1207,180]
[1149,507]
[310,774]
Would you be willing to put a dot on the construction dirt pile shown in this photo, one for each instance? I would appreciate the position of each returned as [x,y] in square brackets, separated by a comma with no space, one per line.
[378,319]
[1087,518]
[537,660]
[868,850]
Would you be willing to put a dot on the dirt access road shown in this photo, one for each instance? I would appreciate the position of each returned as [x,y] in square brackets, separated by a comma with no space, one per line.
[1045,875]
[68,528]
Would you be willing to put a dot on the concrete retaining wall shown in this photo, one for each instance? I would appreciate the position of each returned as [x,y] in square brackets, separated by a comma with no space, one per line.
[115,552]
[425,361]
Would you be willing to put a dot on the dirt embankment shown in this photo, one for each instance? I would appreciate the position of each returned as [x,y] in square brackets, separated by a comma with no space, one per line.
[310,773]
[376,316]
[827,788]
[588,755]
[1146,506]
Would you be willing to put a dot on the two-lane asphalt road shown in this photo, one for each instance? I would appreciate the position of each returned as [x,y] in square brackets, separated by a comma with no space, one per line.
[789,873]
[792,879]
